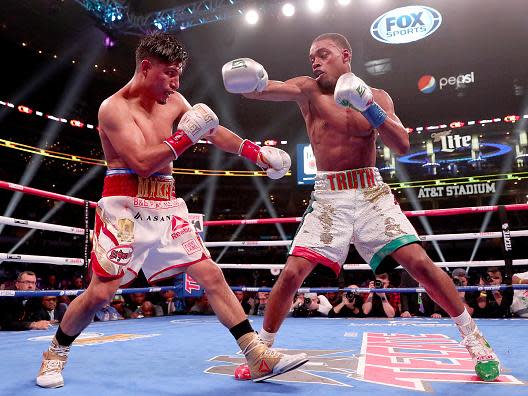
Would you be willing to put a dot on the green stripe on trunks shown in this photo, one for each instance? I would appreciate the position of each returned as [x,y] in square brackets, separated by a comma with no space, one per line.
[390,247]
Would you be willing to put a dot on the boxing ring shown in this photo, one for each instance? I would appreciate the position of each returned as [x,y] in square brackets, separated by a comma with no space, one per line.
[196,355]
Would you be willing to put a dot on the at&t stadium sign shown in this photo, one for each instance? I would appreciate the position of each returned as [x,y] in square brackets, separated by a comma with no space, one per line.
[406,24]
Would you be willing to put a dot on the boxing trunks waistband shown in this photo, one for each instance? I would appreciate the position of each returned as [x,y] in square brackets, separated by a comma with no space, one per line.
[124,182]
[352,179]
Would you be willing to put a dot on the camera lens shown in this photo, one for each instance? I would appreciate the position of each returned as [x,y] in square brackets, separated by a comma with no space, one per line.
[378,284]
[307,301]
[349,295]
[457,282]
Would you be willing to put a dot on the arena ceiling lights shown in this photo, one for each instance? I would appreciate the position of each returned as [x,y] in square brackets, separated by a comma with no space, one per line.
[116,16]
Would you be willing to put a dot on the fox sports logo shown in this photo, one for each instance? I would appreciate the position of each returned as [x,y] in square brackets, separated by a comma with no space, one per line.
[406,24]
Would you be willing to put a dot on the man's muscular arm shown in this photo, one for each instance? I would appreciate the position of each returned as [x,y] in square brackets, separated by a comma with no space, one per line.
[281,91]
[128,141]
[249,78]
[392,132]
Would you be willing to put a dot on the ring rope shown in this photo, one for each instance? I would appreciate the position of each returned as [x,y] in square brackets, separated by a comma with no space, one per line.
[26,258]
[428,212]
[42,293]
[80,231]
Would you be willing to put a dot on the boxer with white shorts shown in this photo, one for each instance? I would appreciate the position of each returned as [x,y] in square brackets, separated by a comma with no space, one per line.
[344,117]
[139,220]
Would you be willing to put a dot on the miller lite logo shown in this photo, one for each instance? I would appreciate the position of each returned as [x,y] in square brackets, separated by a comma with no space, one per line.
[120,255]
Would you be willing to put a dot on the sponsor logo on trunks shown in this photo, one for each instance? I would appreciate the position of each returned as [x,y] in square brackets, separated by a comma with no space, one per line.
[90,338]
[145,203]
[179,227]
[151,187]
[120,255]
[406,24]
[142,217]
[351,179]
[191,246]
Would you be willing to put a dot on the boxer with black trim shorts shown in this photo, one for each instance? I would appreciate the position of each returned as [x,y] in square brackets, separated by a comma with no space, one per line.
[135,127]
[350,202]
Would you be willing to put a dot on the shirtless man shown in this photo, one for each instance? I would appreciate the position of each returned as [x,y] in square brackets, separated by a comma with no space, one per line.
[350,202]
[140,223]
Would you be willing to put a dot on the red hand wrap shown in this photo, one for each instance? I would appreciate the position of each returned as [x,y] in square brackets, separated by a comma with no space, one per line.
[249,150]
[178,143]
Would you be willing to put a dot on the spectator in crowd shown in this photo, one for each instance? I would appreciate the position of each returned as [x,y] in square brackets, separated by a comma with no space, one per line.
[149,310]
[349,306]
[240,295]
[310,305]
[258,306]
[49,309]
[50,282]
[460,278]
[496,303]
[15,312]
[201,306]
[417,304]
[170,305]
[107,313]
[519,305]
[378,304]
[118,302]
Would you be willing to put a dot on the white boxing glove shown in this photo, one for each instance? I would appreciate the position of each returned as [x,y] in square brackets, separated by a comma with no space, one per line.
[200,121]
[274,161]
[244,75]
[351,91]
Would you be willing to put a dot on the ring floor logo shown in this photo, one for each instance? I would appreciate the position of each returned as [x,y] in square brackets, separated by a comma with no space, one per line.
[406,24]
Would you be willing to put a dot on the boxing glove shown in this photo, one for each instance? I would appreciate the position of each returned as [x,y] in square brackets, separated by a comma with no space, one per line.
[274,161]
[244,75]
[351,91]
[200,121]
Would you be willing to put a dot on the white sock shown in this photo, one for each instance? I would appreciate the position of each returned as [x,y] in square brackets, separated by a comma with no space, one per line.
[268,338]
[465,322]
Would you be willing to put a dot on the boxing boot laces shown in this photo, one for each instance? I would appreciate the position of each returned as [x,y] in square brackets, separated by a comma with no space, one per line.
[264,362]
[53,361]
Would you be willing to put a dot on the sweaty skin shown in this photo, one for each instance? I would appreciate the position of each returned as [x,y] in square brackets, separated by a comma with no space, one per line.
[341,138]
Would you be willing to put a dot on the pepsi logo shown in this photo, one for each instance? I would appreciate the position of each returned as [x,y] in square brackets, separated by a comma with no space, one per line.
[427,84]
[406,24]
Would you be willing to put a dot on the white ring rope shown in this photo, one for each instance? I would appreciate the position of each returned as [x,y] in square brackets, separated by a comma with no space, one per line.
[25,258]
[29,258]
[80,231]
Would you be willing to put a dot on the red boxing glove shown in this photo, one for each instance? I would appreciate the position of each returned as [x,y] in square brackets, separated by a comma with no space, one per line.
[274,161]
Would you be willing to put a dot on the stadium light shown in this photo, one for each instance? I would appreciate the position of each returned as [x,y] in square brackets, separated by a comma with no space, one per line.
[316,5]
[252,17]
[288,9]
[343,2]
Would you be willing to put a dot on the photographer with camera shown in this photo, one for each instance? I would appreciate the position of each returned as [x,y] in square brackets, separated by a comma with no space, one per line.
[493,304]
[378,304]
[310,305]
[460,278]
[349,306]
[417,304]
[519,306]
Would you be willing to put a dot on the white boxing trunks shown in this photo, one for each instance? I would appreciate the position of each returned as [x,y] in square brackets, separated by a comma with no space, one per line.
[140,224]
[352,206]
